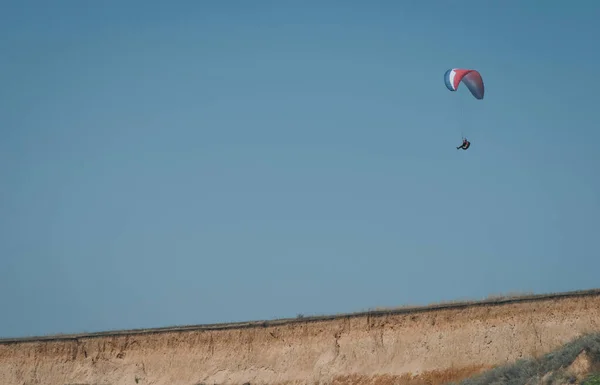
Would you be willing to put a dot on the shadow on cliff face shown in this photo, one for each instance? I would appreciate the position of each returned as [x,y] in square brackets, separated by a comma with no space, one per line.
[577,362]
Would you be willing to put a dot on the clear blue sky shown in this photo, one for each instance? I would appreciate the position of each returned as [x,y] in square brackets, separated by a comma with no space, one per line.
[224,161]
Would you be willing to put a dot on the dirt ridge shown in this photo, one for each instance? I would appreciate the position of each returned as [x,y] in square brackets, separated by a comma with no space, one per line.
[452,305]
[429,345]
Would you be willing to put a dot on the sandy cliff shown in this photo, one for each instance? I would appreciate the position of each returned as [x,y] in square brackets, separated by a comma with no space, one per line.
[409,346]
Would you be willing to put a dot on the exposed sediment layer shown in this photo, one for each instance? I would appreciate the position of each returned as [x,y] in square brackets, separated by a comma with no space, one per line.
[405,346]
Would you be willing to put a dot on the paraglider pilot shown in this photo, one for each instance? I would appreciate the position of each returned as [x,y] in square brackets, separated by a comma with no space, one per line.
[465,144]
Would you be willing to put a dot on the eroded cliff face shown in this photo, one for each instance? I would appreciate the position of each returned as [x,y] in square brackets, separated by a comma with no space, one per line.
[423,347]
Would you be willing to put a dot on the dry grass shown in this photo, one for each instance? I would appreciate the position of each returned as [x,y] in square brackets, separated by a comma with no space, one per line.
[552,365]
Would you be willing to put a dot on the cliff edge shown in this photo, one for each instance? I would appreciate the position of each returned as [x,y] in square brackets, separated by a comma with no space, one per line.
[426,345]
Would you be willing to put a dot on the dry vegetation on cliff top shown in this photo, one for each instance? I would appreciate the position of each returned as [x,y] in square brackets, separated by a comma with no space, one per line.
[577,362]
[492,299]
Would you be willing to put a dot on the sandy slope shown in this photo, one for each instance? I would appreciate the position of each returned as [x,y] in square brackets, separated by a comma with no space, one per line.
[410,347]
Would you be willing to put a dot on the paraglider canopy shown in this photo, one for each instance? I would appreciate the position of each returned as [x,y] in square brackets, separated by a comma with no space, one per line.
[471,78]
